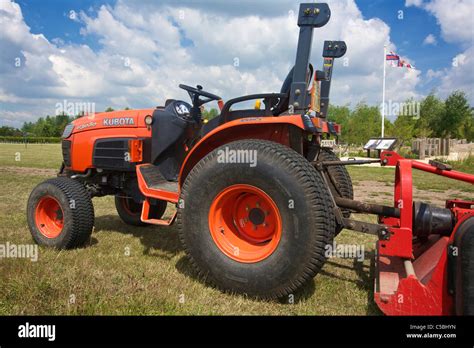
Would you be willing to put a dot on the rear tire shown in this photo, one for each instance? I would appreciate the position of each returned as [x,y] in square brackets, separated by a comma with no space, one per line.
[60,213]
[284,183]
[130,211]
[340,184]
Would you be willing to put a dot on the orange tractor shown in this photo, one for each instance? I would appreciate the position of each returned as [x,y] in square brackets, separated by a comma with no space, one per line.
[257,196]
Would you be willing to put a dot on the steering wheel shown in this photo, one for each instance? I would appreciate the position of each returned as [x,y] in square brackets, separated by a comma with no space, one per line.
[195,93]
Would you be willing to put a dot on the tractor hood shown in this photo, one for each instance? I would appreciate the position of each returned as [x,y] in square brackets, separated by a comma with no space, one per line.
[113,119]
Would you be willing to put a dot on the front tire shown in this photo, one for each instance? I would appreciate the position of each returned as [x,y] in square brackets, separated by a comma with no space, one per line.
[60,213]
[130,211]
[258,230]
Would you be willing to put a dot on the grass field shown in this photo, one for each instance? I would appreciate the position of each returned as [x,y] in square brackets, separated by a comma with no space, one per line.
[134,271]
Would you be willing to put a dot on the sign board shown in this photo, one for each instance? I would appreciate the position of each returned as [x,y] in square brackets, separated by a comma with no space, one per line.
[380,144]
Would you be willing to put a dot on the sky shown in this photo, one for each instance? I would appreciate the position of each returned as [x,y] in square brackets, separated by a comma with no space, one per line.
[128,53]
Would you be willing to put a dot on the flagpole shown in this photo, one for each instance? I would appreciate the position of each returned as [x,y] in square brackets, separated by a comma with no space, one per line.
[383,89]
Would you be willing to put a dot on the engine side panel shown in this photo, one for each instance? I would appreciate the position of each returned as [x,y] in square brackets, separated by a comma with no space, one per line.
[82,148]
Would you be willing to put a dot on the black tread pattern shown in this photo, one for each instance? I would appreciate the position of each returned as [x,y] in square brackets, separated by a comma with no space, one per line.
[342,179]
[79,230]
[317,194]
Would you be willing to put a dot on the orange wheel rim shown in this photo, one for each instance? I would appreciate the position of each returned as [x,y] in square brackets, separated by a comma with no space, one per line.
[245,223]
[49,217]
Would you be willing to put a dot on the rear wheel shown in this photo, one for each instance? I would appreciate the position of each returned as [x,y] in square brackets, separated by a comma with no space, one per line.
[340,181]
[130,211]
[60,213]
[256,229]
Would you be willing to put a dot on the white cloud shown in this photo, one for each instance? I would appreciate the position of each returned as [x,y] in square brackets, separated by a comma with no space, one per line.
[460,76]
[455,17]
[432,74]
[430,40]
[147,49]
[413,3]
[456,20]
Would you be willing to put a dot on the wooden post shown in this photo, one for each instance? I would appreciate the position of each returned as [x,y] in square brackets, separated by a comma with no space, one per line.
[422,149]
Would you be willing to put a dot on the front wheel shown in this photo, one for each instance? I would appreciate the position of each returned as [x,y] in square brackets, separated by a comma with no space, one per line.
[256,228]
[60,213]
[130,211]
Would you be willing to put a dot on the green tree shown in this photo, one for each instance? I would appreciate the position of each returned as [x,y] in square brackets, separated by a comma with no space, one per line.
[109,109]
[457,114]
[341,115]
[431,113]
[10,131]
[209,114]
[364,123]
[403,128]
[466,130]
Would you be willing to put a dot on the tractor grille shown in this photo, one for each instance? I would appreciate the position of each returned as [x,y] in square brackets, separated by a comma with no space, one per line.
[111,154]
[66,148]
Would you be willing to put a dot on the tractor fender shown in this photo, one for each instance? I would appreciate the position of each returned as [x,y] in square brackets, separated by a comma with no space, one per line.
[286,130]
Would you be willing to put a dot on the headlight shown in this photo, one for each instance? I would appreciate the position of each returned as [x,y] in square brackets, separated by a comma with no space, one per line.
[148,120]
[68,131]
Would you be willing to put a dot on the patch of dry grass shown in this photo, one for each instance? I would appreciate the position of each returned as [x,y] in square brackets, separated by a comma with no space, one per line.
[131,270]
[156,277]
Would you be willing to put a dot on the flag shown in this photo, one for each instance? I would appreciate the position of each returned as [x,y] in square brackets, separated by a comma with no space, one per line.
[402,63]
[392,56]
[396,61]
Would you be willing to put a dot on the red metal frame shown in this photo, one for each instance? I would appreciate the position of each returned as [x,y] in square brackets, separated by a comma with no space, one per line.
[412,277]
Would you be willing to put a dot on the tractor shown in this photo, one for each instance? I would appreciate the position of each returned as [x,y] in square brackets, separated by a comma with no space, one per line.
[258,196]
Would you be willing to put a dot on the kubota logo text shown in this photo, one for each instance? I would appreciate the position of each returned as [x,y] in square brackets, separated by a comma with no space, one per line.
[119,121]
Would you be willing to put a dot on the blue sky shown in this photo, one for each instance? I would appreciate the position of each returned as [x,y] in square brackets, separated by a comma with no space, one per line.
[201,47]
[50,17]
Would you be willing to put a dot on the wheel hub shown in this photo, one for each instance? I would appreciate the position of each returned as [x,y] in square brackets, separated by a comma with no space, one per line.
[245,223]
[49,217]
[257,216]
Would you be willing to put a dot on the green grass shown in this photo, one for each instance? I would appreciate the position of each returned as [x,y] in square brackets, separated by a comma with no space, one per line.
[421,180]
[32,155]
[465,165]
[156,276]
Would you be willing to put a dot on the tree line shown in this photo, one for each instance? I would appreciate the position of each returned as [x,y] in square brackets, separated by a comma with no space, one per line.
[436,118]
[452,117]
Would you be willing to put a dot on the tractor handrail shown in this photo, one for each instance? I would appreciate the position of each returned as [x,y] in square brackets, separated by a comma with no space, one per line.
[226,108]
